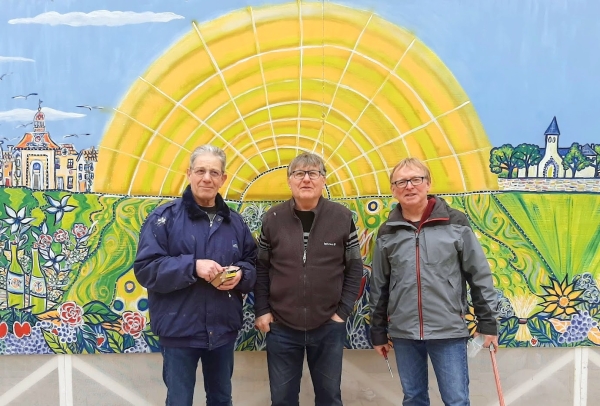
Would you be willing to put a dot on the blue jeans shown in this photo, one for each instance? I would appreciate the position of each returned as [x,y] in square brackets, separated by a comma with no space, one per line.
[449,360]
[179,374]
[324,348]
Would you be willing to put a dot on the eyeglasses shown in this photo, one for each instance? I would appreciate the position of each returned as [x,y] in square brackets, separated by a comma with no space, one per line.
[402,183]
[200,172]
[300,174]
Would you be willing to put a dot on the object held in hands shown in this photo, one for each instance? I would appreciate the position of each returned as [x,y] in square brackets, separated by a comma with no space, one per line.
[474,345]
[387,361]
[222,277]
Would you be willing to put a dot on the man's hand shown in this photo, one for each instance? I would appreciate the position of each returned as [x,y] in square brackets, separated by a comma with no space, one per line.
[489,340]
[207,269]
[231,283]
[263,323]
[337,318]
[380,349]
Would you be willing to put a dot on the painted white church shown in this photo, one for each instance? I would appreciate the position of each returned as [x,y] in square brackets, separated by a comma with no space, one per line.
[552,158]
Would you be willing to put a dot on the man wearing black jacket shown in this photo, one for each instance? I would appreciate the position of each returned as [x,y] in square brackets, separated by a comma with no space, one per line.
[308,276]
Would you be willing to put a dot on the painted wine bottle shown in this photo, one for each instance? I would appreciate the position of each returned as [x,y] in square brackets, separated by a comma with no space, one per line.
[15,280]
[37,285]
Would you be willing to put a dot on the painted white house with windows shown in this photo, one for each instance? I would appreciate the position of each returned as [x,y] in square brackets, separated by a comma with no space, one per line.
[551,166]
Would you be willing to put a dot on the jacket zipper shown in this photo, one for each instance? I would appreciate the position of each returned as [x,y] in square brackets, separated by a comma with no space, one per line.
[304,258]
[418,271]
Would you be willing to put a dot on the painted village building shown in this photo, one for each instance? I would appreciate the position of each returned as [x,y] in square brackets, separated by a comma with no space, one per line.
[550,166]
[37,162]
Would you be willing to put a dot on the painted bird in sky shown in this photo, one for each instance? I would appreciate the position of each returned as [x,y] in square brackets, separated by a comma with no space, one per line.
[24,125]
[5,74]
[24,96]
[75,135]
[85,106]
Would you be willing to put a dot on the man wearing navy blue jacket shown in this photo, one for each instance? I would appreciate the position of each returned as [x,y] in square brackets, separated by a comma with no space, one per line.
[184,245]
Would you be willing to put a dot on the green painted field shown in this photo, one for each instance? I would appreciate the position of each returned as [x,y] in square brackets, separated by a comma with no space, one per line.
[541,248]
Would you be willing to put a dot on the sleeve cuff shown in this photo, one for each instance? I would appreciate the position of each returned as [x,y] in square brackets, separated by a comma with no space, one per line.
[487,329]
[378,338]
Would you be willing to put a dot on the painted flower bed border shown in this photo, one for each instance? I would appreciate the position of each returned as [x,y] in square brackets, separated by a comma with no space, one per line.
[73,329]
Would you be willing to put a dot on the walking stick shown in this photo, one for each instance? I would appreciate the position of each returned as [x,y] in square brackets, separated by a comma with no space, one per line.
[496,375]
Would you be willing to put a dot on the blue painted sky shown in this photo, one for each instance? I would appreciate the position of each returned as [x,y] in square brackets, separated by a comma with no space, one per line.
[520,61]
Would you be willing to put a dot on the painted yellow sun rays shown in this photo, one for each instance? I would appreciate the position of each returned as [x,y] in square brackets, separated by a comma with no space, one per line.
[267,83]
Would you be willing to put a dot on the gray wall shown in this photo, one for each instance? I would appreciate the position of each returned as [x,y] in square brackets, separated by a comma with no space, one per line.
[529,377]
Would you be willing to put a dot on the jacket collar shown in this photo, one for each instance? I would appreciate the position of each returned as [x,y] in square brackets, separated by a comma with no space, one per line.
[316,209]
[440,211]
[195,212]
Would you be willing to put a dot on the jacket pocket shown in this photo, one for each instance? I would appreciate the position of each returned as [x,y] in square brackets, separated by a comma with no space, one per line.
[456,296]
[232,311]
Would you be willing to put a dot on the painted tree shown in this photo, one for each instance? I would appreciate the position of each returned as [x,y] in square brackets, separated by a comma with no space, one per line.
[597,151]
[529,154]
[504,161]
[575,160]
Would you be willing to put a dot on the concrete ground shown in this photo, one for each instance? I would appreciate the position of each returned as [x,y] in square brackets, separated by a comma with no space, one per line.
[529,376]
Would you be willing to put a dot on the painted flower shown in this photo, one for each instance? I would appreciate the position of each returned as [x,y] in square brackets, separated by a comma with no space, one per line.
[16,219]
[79,230]
[133,323]
[71,314]
[561,299]
[59,207]
[52,259]
[61,235]
[44,241]
[252,215]
[3,330]
[21,330]
[471,320]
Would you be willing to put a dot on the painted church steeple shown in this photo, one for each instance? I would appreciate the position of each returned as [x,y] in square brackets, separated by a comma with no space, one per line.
[552,134]
[553,128]
[39,120]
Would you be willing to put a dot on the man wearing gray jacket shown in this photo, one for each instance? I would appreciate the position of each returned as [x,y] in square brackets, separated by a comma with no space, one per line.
[425,254]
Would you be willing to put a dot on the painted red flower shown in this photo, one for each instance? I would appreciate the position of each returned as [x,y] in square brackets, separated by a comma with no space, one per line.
[133,323]
[44,241]
[79,230]
[21,330]
[3,330]
[61,235]
[71,313]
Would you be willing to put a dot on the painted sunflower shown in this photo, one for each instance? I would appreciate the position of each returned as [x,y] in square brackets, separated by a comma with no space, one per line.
[561,298]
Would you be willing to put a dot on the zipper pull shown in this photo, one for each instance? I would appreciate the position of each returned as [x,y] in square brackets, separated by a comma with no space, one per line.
[304,256]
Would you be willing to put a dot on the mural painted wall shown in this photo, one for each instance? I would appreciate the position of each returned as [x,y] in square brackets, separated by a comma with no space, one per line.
[101,106]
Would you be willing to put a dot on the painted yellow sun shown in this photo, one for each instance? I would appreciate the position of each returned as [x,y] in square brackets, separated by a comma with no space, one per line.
[268,83]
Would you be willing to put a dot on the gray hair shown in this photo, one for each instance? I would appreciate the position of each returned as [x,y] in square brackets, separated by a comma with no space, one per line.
[307,159]
[212,150]
[413,163]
